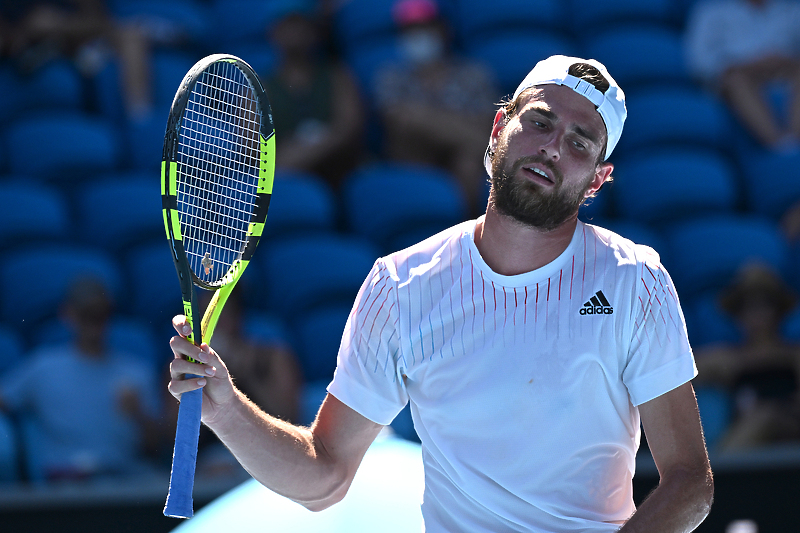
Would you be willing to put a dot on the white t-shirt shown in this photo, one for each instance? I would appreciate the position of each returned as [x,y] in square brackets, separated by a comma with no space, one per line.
[523,389]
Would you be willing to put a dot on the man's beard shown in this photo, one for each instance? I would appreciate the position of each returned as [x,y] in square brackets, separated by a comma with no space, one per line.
[531,204]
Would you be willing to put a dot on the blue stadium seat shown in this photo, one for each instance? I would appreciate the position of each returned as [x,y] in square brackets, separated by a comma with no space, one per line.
[11,348]
[168,68]
[308,271]
[640,234]
[510,55]
[178,21]
[11,88]
[318,334]
[640,54]
[358,24]
[771,181]
[9,450]
[242,21]
[31,211]
[55,86]
[135,335]
[791,327]
[706,252]
[707,322]
[63,146]
[474,19]
[383,202]
[300,203]
[367,62]
[586,15]
[674,183]
[674,115]
[265,328]
[155,295]
[42,275]
[106,88]
[259,55]
[116,211]
[144,142]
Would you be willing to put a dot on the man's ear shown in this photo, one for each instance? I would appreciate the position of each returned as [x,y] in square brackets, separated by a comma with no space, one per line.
[602,174]
[499,123]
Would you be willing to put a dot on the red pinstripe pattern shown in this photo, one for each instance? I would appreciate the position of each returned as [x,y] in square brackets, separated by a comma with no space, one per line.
[374,299]
[463,311]
[494,314]
[560,276]
[583,275]
[516,306]
[378,312]
[668,291]
[525,306]
[638,326]
[380,336]
[572,277]
[505,307]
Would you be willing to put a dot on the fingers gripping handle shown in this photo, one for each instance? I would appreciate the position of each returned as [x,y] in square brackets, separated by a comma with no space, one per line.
[179,499]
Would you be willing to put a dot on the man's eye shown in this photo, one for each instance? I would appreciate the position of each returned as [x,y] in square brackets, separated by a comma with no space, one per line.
[579,146]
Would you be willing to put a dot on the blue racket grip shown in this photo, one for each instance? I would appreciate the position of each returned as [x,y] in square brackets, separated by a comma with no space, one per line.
[184,457]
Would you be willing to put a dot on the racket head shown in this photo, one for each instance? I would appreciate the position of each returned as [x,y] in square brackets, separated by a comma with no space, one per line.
[217,171]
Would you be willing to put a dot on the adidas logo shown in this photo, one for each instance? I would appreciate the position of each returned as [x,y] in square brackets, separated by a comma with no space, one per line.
[597,305]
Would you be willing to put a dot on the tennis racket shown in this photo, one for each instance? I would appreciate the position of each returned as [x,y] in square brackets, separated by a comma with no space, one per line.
[216,183]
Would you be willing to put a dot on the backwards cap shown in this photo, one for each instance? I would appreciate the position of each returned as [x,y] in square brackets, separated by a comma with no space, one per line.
[611,105]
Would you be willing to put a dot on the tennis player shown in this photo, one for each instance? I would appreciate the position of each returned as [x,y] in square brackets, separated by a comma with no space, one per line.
[529,344]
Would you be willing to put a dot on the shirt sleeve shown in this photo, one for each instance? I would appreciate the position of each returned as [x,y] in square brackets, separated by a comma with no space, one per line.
[369,373]
[660,357]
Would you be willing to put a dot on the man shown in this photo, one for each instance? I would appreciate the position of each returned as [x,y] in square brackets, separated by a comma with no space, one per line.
[433,103]
[99,416]
[742,49]
[528,343]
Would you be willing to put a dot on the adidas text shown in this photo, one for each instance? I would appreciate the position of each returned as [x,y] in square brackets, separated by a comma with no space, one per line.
[597,305]
[599,310]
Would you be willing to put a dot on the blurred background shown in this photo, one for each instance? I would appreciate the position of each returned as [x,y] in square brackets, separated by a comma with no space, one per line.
[382,109]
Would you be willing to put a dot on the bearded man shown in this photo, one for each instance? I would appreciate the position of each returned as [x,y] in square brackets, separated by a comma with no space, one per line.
[529,344]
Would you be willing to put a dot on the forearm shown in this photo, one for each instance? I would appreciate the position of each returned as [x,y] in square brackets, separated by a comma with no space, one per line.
[680,503]
[283,457]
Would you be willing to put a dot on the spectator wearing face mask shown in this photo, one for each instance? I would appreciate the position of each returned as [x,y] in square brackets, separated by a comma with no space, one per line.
[433,103]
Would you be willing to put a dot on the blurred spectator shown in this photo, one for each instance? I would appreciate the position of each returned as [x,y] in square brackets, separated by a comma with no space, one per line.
[85,408]
[34,33]
[762,371]
[267,372]
[740,48]
[316,105]
[435,106]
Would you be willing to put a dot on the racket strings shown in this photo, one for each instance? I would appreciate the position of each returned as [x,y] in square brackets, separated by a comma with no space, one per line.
[218,169]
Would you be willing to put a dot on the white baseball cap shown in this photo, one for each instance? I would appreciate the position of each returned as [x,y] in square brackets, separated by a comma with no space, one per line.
[610,105]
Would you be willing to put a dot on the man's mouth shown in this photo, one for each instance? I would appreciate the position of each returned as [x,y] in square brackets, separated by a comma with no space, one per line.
[539,174]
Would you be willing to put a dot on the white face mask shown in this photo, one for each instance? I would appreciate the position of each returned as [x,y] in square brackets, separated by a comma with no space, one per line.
[422,46]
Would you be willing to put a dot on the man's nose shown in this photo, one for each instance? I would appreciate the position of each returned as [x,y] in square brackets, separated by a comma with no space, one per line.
[550,147]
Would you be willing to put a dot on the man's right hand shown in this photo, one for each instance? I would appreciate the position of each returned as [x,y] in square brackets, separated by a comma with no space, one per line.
[218,389]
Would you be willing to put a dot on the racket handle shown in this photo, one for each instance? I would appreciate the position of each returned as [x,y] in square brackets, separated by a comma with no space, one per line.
[184,458]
